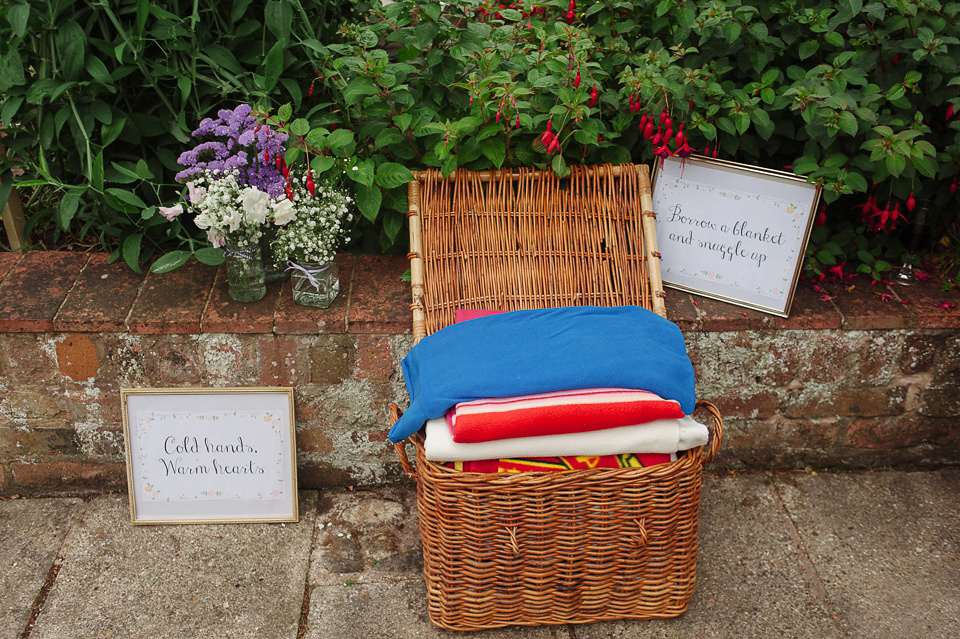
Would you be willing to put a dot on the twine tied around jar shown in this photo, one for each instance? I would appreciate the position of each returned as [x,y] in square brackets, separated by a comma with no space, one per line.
[243,253]
[308,273]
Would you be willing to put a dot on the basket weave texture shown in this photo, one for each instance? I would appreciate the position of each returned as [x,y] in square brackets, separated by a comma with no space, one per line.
[554,547]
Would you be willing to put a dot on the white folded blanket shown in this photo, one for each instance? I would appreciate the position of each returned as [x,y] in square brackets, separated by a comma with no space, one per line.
[661,436]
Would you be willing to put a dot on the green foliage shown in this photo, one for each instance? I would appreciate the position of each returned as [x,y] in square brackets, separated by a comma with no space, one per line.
[852,95]
[98,99]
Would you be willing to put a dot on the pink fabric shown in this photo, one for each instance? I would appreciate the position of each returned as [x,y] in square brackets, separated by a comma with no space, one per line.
[464,314]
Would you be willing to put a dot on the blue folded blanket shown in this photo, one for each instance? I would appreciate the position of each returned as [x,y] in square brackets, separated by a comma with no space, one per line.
[538,351]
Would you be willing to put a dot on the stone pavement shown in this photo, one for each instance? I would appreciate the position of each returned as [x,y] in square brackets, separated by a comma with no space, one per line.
[843,555]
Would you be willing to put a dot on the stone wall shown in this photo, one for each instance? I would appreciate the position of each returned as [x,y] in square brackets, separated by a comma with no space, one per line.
[857,380]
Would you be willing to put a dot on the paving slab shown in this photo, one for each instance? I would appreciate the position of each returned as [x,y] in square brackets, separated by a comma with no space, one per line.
[31,533]
[751,579]
[886,546]
[190,581]
[367,537]
[397,610]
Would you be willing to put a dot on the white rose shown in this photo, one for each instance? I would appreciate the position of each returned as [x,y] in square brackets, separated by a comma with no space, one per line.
[256,205]
[283,211]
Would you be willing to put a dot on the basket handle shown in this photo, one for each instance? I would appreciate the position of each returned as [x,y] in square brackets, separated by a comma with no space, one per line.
[717,437]
[400,447]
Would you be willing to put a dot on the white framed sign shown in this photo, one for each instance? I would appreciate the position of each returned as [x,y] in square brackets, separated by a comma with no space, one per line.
[210,455]
[733,232]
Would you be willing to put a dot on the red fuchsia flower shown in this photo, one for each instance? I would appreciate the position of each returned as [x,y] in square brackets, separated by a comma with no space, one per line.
[950,111]
[886,297]
[946,305]
[684,150]
[576,80]
[648,129]
[911,202]
[310,185]
[953,187]
[280,162]
[289,191]
[662,151]
[266,157]
[594,96]
[837,270]
[821,216]
[922,275]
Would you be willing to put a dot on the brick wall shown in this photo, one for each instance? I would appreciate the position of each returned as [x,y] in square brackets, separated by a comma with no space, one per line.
[853,380]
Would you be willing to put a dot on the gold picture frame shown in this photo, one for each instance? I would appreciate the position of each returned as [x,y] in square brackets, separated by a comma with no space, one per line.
[188,462]
[733,232]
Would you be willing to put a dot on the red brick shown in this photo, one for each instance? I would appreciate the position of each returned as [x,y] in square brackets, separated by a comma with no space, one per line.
[314,440]
[172,302]
[780,433]
[374,358]
[809,310]
[225,315]
[852,402]
[35,288]
[902,432]
[681,311]
[101,299]
[25,360]
[77,357]
[19,444]
[41,407]
[864,307]
[919,351]
[294,319]
[720,316]
[332,359]
[940,402]
[281,363]
[379,299]
[926,299]
[7,261]
[746,404]
[171,360]
[60,475]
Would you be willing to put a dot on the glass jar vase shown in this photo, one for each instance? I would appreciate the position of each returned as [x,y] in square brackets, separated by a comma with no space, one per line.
[273,271]
[315,284]
[245,275]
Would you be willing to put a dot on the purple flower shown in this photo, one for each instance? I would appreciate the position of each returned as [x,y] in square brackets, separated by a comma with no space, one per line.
[236,140]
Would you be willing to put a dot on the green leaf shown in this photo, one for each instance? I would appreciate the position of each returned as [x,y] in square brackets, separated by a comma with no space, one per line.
[72,44]
[392,223]
[170,261]
[10,108]
[386,137]
[495,150]
[826,257]
[272,66]
[432,9]
[369,199]
[284,112]
[300,127]
[128,197]
[403,121]
[895,164]
[339,139]
[278,17]
[560,165]
[68,207]
[362,172]
[848,123]
[449,166]
[391,175]
[143,171]
[131,251]
[807,49]
[110,132]
[18,15]
[210,256]
[804,165]
[321,163]
[357,89]
[97,178]
[834,38]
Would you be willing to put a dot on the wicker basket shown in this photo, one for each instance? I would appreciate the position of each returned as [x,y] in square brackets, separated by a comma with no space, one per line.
[560,547]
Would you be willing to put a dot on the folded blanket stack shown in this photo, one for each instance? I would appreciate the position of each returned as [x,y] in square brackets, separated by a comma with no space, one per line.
[552,389]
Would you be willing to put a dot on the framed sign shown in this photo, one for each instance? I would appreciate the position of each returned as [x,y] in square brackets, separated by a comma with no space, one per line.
[733,232]
[210,455]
